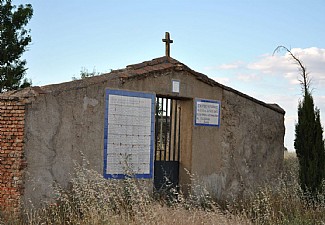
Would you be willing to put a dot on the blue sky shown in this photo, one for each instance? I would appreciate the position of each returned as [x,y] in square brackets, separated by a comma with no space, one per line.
[230,41]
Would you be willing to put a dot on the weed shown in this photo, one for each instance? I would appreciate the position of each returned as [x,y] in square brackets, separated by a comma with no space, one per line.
[91,199]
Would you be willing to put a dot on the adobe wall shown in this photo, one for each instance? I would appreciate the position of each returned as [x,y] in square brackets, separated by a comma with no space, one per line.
[248,148]
[63,127]
[243,153]
[66,124]
[12,161]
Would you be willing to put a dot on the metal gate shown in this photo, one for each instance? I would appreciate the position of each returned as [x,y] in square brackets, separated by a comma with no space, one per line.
[167,144]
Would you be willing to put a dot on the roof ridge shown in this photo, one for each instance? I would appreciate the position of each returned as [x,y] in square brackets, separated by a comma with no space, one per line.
[136,70]
[153,62]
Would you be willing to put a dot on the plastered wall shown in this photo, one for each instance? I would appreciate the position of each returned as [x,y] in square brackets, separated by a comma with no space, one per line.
[62,128]
[65,124]
[247,148]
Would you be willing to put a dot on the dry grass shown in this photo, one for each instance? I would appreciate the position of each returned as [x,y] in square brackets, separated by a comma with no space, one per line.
[94,200]
[284,203]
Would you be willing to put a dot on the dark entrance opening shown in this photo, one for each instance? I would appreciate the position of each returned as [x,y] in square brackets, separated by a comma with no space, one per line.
[167,144]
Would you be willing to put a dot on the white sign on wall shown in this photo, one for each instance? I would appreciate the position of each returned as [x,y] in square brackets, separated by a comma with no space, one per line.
[129,134]
[175,86]
[207,112]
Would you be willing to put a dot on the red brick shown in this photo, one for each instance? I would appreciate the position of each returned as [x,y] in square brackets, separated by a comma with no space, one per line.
[12,116]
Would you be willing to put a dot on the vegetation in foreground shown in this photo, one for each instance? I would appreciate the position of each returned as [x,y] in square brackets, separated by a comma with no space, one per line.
[94,200]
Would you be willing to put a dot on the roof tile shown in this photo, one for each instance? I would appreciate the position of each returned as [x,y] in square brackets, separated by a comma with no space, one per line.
[156,65]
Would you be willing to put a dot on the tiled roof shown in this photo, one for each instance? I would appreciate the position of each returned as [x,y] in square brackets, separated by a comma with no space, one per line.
[140,70]
[158,64]
[168,63]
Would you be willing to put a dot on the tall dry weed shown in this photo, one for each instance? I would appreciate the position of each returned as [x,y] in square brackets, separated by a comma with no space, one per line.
[91,199]
[284,203]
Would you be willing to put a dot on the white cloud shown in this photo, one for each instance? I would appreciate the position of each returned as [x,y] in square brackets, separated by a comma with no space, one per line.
[275,79]
[229,66]
[312,58]
[267,64]
[282,65]
[248,77]
[226,66]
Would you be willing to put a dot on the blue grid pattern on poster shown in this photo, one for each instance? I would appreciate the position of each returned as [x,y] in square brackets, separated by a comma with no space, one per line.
[128,134]
[210,115]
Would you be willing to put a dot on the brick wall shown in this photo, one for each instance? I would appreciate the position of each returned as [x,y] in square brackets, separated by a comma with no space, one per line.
[12,160]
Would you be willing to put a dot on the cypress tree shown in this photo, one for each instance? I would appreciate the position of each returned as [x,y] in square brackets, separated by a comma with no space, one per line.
[309,142]
[309,145]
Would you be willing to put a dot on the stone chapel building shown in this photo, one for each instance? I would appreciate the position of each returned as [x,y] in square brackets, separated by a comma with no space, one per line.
[159,116]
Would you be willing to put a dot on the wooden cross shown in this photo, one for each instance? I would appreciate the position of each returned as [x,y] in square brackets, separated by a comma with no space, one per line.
[168,41]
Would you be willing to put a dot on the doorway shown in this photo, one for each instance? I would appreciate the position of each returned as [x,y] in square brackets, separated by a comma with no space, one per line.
[167,144]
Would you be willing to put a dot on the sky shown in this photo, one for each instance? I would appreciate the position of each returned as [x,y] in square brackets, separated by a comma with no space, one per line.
[230,41]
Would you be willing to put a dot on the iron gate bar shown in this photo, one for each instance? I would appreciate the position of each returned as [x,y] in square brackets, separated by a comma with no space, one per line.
[179,135]
[161,124]
[167,144]
[170,133]
[156,129]
[175,129]
[166,127]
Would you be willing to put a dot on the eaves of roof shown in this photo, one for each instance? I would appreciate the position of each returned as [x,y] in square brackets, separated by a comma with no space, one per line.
[162,64]
[138,71]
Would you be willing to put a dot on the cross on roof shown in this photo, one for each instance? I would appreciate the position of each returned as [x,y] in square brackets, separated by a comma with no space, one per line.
[168,41]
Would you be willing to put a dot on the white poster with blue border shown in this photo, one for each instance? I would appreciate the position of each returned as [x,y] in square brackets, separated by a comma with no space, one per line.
[207,112]
[129,134]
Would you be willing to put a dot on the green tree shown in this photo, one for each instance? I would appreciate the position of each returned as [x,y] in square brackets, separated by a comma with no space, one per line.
[309,143]
[14,41]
